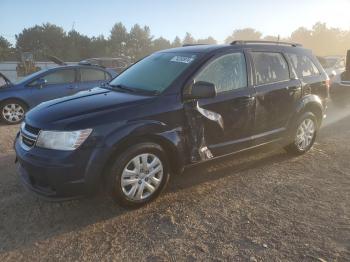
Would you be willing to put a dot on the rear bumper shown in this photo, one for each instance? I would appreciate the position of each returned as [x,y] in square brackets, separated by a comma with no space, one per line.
[59,175]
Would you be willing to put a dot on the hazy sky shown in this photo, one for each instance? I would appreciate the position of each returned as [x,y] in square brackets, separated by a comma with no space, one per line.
[202,18]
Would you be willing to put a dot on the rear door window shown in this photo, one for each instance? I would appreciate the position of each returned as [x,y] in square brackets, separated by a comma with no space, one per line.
[89,75]
[303,65]
[270,68]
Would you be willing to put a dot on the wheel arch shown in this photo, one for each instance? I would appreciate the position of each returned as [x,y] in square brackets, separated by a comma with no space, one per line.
[169,141]
[313,104]
[2,102]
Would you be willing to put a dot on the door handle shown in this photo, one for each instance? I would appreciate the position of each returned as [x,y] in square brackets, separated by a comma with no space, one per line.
[246,100]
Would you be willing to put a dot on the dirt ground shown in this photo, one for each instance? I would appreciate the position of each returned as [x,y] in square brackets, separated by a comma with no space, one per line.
[259,206]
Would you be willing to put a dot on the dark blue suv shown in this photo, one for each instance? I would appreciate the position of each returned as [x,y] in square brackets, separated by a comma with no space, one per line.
[171,110]
[17,98]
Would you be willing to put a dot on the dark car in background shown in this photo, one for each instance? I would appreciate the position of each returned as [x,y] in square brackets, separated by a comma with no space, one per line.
[17,98]
[340,86]
[171,110]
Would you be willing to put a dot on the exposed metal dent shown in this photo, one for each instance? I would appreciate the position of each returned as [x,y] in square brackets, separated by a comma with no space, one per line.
[195,116]
[211,116]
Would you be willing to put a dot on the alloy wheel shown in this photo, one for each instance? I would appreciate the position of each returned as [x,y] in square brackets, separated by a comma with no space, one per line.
[13,113]
[305,134]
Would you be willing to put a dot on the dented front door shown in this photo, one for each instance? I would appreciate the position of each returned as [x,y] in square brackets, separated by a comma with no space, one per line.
[235,102]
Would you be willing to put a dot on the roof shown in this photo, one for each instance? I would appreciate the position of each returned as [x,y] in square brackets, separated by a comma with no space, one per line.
[234,45]
[75,66]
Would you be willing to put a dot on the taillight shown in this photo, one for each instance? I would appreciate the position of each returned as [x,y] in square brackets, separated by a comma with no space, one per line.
[328,83]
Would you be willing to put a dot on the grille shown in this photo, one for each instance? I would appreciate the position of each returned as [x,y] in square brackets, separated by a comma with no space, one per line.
[31,129]
[29,136]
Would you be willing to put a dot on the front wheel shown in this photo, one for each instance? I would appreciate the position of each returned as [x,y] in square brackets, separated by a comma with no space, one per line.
[304,134]
[139,175]
[12,111]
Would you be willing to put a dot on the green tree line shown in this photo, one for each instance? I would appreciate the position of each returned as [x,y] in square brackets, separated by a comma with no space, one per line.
[49,39]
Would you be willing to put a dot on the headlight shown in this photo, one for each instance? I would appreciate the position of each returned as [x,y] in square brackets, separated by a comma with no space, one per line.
[62,140]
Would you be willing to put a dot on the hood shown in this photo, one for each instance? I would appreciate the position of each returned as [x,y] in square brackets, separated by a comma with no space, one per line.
[86,104]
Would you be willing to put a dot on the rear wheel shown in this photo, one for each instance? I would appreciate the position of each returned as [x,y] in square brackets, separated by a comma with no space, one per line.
[304,134]
[139,175]
[13,111]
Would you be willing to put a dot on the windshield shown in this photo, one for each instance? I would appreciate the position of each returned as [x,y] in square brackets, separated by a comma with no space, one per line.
[154,73]
[3,81]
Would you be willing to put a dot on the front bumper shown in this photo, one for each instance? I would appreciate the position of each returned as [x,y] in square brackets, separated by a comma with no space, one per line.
[58,175]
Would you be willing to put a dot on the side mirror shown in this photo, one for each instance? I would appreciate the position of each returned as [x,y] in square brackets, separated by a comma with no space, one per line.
[41,82]
[200,90]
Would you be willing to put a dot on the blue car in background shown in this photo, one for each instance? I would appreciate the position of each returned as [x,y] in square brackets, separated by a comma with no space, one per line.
[17,98]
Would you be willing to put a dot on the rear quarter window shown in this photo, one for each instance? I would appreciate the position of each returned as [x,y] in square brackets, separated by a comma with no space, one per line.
[303,65]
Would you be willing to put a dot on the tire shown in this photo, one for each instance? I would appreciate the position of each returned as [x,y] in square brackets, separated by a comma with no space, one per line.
[125,182]
[303,135]
[12,112]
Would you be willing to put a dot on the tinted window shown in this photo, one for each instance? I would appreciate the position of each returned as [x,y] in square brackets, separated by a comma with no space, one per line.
[155,72]
[270,67]
[59,77]
[227,72]
[91,75]
[303,65]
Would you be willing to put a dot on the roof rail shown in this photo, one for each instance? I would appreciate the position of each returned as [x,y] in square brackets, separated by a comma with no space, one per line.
[184,45]
[88,63]
[242,42]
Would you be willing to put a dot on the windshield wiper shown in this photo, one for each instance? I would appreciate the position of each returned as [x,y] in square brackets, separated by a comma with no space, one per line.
[133,90]
[123,87]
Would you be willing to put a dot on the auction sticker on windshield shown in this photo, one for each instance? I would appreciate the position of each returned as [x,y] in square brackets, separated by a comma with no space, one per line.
[183,59]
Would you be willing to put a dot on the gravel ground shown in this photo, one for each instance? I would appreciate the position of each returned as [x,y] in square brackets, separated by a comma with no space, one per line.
[266,206]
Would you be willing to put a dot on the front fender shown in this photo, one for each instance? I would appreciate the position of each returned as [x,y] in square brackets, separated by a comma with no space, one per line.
[172,140]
